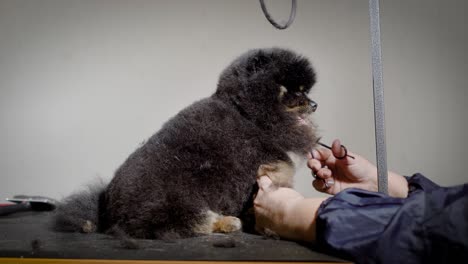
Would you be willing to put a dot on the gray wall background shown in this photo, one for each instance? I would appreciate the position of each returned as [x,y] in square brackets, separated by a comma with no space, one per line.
[82,83]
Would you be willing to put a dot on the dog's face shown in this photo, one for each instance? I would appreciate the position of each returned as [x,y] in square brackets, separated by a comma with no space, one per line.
[270,86]
[296,102]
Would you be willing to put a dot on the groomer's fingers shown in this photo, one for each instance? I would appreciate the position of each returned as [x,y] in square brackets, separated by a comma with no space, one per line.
[264,183]
[321,154]
[318,168]
[324,173]
[337,150]
[318,185]
[340,152]
[326,186]
[314,165]
[320,157]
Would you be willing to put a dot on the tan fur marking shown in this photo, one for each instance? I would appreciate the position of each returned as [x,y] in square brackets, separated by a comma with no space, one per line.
[88,227]
[281,173]
[206,227]
[216,223]
[296,108]
[283,90]
[227,224]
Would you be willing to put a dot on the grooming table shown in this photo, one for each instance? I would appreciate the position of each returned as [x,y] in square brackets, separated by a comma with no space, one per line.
[27,238]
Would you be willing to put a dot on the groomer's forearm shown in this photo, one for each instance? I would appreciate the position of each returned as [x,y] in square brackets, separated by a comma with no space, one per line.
[301,219]
[397,185]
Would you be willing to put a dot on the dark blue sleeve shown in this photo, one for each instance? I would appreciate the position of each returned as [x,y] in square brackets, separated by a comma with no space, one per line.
[429,226]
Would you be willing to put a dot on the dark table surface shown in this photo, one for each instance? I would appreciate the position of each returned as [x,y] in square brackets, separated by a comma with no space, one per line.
[28,235]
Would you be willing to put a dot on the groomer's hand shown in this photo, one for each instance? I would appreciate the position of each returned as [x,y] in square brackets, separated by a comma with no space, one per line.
[285,211]
[272,206]
[334,175]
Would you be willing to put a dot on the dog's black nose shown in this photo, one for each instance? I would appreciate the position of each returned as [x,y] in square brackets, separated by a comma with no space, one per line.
[313,105]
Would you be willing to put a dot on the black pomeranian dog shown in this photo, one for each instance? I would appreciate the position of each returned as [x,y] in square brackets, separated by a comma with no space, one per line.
[197,175]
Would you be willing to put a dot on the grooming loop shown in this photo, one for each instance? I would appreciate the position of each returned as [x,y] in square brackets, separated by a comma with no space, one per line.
[292,15]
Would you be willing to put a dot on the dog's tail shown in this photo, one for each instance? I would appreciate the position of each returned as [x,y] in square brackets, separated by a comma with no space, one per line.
[81,211]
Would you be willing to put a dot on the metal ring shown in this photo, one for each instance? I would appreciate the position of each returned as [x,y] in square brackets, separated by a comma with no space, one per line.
[345,153]
[326,184]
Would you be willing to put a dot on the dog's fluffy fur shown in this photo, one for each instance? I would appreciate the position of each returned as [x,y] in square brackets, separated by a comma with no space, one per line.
[198,173]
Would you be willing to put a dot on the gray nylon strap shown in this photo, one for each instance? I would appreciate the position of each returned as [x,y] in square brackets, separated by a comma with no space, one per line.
[377,80]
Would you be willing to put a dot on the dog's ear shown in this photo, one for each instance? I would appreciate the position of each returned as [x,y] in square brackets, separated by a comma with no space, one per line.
[257,63]
[248,76]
